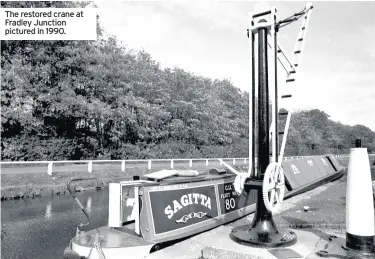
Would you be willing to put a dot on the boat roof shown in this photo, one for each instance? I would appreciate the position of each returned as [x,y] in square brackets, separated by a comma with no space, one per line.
[184,176]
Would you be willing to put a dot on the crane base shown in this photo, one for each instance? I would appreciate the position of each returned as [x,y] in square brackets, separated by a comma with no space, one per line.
[253,237]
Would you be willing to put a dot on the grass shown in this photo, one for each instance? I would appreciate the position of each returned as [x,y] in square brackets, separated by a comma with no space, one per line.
[30,185]
[15,186]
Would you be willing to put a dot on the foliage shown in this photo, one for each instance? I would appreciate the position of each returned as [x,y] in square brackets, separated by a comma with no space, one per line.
[100,100]
[312,132]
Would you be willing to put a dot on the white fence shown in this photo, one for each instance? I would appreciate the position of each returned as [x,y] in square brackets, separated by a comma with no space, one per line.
[89,163]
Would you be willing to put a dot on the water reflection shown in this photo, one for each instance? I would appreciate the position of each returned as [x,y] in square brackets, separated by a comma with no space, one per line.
[48,213]
[43,227]
[88,204]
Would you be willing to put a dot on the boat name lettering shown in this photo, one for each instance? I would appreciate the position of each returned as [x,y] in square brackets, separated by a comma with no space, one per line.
[186,200]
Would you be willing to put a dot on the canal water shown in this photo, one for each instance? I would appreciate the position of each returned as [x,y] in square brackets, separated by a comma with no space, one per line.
[42,227]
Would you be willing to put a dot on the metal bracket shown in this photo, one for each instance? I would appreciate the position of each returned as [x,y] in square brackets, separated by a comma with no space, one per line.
[256,20]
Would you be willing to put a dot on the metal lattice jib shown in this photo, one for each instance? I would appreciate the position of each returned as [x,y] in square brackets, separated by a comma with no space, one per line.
[292,71]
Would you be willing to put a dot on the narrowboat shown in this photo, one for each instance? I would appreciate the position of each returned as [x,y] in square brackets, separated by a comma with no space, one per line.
[149,213]
[158,209]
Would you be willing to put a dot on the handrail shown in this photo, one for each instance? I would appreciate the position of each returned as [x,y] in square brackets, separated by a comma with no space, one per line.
[135,160]
[116,160]
[72,191]
[148,162]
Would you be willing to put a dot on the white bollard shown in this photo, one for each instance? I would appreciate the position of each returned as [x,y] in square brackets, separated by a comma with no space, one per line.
[149,165]
[244,161]
[123,165]
[221,161]
[49,168]
[190,163]
[206,162]
[172,164]
[89,167]
[234,161]
[359,202]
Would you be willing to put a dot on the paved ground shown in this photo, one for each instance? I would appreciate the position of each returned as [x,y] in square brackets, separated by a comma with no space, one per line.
[326,217]
[217,244]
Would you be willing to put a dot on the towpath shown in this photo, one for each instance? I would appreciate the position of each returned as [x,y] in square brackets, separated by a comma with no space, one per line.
[325,217]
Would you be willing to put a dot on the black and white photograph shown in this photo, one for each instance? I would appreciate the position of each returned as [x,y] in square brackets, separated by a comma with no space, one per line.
[185,129]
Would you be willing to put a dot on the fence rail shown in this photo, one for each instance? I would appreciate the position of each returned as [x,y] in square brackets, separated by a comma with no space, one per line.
[149,162]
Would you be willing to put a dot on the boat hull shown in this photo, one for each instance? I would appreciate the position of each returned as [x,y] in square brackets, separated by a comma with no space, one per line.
[179,207]
[114,243]
[170,212]
[178,210]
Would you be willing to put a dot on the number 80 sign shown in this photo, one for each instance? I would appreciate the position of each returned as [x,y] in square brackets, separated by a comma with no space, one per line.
[230,204]
[231,201]
[228,197]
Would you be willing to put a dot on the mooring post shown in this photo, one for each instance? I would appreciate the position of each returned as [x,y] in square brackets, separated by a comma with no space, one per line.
[360,234]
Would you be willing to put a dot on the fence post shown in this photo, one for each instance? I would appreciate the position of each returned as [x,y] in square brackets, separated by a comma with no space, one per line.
[49,168]
[89,167]
[123,165]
